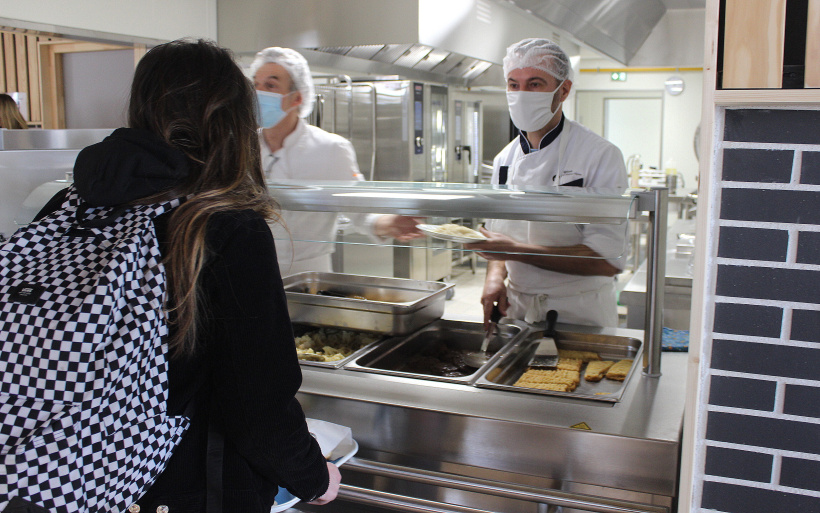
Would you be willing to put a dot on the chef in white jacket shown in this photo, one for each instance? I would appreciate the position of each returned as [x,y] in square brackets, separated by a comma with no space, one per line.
[536,267]
[293,149]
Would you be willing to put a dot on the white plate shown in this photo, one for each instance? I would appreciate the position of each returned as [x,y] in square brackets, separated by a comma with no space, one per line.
[432,230]
[342,453]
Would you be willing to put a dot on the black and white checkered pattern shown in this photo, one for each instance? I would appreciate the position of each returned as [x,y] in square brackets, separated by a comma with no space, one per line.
[83,369]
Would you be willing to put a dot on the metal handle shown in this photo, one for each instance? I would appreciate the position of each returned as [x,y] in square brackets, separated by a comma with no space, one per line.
[511,491]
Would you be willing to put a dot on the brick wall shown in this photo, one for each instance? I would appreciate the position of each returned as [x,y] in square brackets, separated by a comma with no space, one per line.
[762,417]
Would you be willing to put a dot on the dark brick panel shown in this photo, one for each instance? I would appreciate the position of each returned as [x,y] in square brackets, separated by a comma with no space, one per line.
[799,473]
[797,285]
[773,433]
[743,499]
[752,394]
[766,166]
[802,400]
[755,320]
[806,325]
[753,243]
[775,206]
[751,466]
[808,248]
[766,359]
[772,126]
[810,171]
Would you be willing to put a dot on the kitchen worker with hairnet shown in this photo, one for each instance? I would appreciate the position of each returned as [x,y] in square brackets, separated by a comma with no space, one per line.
[294,149]
[534,267]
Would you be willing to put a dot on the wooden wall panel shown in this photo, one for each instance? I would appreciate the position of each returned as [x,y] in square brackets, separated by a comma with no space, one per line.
[34,96]
[10,60]
[753,44]
[813,45]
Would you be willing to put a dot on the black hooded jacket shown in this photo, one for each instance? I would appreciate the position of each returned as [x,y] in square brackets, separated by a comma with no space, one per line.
[245,374]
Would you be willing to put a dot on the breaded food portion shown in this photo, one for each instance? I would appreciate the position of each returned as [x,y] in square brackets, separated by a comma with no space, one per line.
[535,378]
[555,387]
[619,371]
[586,356]
[570,364]
[596,370]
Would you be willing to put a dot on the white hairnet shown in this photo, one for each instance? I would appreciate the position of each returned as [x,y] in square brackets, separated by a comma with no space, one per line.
[540,54]
[297,68]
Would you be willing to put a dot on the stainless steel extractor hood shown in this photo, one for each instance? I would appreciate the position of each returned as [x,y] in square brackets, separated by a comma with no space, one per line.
[616,28]
[456,42]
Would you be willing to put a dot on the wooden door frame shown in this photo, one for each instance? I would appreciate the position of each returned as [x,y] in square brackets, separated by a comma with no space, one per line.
[51,74]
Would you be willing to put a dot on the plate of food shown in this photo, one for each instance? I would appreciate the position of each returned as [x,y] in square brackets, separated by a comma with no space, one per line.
[452,232]
[337,446]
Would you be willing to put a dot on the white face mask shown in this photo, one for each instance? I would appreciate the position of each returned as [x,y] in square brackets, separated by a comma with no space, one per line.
[532,110]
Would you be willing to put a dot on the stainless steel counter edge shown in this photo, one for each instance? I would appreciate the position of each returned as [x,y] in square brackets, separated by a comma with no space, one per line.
[650,408]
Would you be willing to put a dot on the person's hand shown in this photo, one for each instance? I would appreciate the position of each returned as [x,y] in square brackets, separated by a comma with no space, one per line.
[398,227]
[495,247]
[334,480]
[494,293]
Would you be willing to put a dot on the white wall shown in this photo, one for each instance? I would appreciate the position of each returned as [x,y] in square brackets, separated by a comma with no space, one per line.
[97,85]
[681,114]
[160,20]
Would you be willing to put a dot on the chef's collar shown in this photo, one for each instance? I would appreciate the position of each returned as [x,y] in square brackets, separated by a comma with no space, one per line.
[545,141]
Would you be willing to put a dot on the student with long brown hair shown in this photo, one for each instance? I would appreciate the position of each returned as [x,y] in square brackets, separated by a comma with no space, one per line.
[10,116]
[192,134]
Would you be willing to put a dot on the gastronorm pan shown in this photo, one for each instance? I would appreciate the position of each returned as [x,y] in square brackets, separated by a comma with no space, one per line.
[505,370]
[434,348]
[303,329]
[392,306]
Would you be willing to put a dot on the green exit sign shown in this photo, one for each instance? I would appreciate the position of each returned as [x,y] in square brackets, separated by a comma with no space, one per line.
[618,76]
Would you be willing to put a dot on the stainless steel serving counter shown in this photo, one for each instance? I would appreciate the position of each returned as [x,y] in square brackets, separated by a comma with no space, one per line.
[461,446]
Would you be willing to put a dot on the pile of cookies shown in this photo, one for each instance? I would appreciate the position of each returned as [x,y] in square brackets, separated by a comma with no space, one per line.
[567,375]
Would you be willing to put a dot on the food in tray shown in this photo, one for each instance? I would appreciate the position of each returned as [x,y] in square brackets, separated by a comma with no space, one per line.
[333,293]
[619,371]
[331,345]
[538,378]
[438,360]
[597,369]
[570,364]
[586,356]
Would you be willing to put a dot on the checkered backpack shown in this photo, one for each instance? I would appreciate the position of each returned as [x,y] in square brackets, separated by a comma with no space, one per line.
[83,369]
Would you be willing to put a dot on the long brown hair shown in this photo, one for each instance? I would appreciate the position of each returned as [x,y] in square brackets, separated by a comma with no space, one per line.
[194,95]
[10,116]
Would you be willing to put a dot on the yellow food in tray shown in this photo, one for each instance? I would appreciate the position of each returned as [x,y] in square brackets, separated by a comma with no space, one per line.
[586,356]
[619,371]
[597,369]
[570,364]
[537,378]
[331,345]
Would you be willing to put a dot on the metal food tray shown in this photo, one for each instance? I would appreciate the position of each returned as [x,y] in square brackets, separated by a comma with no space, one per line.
[301,329]
[508,367]
[390,357]
[393,306]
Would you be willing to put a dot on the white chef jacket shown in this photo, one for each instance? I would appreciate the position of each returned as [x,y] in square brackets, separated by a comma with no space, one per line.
[570,155]
[310,153]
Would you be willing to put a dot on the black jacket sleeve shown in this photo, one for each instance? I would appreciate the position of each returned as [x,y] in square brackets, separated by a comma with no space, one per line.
[255,371]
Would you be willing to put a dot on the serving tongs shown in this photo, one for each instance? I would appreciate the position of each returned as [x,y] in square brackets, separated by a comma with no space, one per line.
[546,353]
[478,358]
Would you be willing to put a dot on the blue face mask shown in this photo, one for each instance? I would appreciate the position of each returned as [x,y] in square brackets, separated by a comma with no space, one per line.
[270,111]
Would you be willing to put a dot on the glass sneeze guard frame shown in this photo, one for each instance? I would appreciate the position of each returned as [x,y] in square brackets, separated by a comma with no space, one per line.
[550,204]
